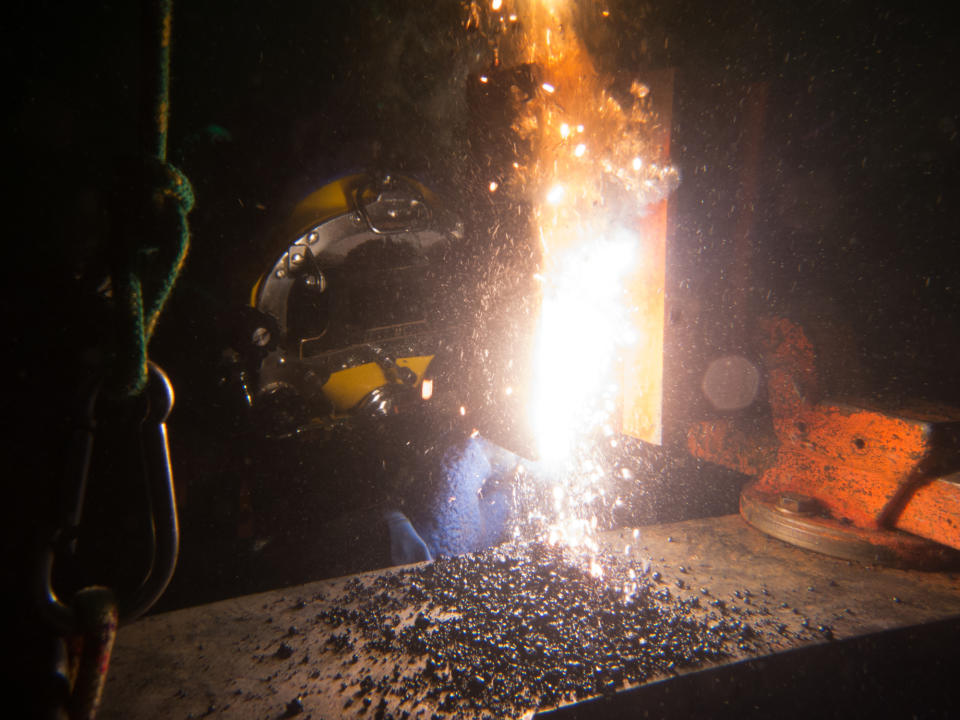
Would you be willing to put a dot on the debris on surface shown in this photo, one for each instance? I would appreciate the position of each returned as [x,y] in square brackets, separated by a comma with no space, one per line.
[515,628]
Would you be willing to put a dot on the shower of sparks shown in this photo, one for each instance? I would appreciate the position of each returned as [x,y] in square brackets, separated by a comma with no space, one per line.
[586,209]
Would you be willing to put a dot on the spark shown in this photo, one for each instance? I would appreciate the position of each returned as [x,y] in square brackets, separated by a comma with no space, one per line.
[639,89]
[591,249]
[493,186]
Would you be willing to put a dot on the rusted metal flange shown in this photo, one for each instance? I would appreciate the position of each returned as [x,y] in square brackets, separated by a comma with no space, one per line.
[803,521]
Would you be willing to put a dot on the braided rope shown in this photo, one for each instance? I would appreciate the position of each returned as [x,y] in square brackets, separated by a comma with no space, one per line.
[145,273]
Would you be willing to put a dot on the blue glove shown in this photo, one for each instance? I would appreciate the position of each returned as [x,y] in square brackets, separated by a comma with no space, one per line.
[406,546]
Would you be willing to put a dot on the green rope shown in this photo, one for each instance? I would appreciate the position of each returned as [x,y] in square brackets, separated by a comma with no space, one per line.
[146,271]
[180,193]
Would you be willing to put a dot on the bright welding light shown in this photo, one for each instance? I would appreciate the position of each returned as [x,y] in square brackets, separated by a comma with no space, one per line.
[426,389]
[496,5]
[493,186]
[484,79]
[582,294]
[587,281]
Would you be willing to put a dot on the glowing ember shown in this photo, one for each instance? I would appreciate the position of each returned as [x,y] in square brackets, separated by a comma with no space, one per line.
[426,389]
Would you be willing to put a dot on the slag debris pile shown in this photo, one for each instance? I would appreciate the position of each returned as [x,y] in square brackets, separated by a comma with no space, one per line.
[525,625]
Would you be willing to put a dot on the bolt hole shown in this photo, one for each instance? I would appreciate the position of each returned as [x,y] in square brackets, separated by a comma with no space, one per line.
[859,443]
[802,427]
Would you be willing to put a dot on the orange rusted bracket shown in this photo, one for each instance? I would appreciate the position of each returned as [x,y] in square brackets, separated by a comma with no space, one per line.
[847,479]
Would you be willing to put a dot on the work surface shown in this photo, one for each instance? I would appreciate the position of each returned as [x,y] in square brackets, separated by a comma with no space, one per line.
[524,626]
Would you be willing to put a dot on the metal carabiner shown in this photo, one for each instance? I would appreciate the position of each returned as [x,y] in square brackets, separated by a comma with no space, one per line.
[64,536]
[163,509]
[163,503]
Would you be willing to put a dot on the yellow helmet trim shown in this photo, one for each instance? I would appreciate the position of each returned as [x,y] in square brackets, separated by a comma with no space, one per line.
[345,388]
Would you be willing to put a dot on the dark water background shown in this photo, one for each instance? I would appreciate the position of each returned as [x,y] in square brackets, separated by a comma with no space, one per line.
[852,218]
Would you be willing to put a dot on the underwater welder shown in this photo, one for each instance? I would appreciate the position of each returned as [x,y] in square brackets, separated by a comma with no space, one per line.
[349,358]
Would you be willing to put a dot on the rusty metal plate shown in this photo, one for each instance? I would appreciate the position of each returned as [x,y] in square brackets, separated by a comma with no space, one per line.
[642,368]
[268,656]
